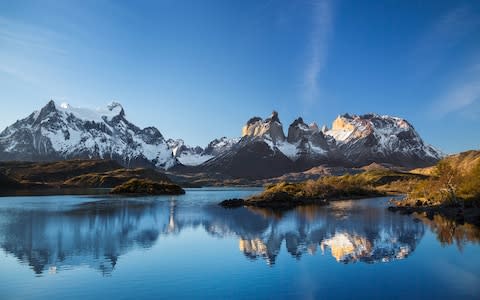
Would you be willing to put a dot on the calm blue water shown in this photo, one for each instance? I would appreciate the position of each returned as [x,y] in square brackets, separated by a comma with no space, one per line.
[74,247]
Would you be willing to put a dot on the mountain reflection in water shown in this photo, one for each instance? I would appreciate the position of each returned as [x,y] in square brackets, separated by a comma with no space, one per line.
[98,232]
[349,230]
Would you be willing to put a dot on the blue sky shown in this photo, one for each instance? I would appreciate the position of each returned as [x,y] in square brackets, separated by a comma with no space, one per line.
[200,69]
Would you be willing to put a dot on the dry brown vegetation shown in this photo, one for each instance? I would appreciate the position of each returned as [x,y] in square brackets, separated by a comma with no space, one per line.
[454,180]
[116,177]
[449,232]
[327,188]
[147,187]
[71,176]
[54,172]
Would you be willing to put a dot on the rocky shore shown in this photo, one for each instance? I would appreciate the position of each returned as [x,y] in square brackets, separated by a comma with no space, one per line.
[460,212]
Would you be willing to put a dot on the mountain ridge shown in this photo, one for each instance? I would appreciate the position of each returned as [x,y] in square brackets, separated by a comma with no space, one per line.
[57,132]
[353,141]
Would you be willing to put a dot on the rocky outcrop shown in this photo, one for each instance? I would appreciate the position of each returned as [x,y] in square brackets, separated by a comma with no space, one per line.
[309,141]
[270,129]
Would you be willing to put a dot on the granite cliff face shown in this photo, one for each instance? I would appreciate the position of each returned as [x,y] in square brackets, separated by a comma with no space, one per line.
[354,141]
[270,129]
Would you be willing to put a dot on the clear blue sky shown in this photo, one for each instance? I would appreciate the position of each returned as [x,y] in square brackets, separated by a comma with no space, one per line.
[200,69]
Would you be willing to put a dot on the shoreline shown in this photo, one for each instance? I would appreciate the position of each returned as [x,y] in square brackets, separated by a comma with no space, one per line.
[280,204]
[459,214]
[85,191]
[55,192]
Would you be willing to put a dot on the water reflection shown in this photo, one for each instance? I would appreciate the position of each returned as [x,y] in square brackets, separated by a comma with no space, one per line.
[348,231]
[93,234]
[449,232]
[97,233]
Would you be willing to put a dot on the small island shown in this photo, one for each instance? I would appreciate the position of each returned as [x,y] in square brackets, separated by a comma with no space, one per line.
[147,187]
[371,183]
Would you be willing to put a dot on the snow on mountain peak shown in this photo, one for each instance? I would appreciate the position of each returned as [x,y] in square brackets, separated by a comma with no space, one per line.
[64,131]
[115,107]
[377,136]
[347,127]
[112,110]
[357,139]
[193,156]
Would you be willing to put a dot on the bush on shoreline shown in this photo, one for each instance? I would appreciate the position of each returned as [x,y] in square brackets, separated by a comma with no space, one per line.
[449,184]
[325,188]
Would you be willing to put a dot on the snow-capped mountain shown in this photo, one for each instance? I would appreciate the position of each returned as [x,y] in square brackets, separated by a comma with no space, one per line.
[65,132]
[219,146]
[256,154]
[58,132]
[382,139]
[302,141]
[187,155]
[194,156]
[354,141]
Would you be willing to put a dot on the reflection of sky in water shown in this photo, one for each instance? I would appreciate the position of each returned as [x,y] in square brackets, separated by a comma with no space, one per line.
[170,241]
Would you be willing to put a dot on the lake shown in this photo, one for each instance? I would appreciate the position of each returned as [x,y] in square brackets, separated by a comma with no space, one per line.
[102,247]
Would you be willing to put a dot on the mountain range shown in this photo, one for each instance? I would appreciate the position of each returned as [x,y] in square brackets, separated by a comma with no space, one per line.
[57,132]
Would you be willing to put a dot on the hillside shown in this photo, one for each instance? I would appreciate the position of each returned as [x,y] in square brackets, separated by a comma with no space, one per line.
[452,190]
[71,177]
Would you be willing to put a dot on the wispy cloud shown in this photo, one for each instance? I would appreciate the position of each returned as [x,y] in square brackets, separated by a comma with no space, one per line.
[441,36]
[434,52]
[322,28]
[14,33]
[17,73]
[462,94]
[25,48]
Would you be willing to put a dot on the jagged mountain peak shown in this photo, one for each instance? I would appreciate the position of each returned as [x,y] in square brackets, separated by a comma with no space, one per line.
[273,117]
[196,155]
[308,140]
[116,108]
[220,145]
[314,126]
[113,110]
[64,131]
[298,122]
[270,129]
[381,138]
[353,140]
[347,126]
[50,105]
